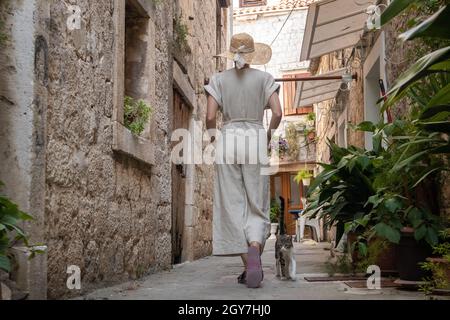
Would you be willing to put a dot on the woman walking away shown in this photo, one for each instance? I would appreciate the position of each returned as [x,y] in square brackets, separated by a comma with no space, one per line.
[241,222]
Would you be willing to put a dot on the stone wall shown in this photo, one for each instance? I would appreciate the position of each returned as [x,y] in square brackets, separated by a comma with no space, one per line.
[104,211]
[205,45]
[349,104]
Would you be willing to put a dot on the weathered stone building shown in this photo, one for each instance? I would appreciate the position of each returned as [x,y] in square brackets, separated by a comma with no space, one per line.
[104,199]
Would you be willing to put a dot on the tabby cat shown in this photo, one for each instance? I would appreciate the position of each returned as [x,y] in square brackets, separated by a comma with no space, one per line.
[284,251]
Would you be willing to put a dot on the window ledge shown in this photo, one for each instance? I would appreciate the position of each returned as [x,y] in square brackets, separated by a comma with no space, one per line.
[136,147]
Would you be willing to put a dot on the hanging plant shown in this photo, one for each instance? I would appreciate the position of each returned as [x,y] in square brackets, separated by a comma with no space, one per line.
[304,176]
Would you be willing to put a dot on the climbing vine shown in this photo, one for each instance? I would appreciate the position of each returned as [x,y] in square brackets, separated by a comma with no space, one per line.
[181,32]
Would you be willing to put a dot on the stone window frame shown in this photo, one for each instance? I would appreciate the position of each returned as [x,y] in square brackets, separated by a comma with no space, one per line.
[377,54]
[124,141]
[343,123]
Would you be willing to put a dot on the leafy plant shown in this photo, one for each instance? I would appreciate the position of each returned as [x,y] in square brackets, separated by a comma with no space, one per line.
[275,210]
[342,264]
[181,32]
[311,116]
[10,231]
[308,132]
[377,193]
[136,115]
[370,254]
[439,268]
[279,145]
[339,193]
[292,140]
[303,175]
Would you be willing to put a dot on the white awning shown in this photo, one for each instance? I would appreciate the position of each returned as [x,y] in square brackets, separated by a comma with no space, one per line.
[311,92]
[333,25]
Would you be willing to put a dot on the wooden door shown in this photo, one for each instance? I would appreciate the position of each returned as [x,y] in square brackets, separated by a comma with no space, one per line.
[283,184]
[181,116]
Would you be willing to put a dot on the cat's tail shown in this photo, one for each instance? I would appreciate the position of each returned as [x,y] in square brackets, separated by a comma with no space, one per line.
[282,224]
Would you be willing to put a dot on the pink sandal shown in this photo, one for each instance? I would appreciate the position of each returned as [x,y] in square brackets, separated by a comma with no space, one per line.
[254,268]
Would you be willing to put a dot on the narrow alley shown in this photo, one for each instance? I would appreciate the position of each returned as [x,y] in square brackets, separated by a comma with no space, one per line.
[214,278]
[150,148]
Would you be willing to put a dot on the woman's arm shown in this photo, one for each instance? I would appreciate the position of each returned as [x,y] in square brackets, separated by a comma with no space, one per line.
[211,114]
[277,114]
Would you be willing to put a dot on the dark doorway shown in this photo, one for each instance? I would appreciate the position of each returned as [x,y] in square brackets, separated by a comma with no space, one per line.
[181,116]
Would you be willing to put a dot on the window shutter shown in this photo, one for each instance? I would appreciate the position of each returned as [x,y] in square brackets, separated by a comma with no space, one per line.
[289,92]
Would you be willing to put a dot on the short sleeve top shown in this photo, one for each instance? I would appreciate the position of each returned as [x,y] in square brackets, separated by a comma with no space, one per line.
[243,95]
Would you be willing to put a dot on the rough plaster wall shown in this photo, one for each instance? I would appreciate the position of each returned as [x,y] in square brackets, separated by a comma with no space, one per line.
[106,213]
[16,96]
[23,80]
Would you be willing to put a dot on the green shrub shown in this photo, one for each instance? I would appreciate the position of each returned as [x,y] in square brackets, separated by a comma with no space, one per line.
[181,32]
[10,232]
[136,115]
[275,210]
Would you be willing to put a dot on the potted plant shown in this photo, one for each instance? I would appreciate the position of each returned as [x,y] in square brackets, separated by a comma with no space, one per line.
[412,229]
[275,211]
[304,176]
[310,134]
[311,119]
[280,146]
[12,235]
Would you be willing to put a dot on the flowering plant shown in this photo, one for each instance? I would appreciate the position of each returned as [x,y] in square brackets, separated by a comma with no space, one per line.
[279,145]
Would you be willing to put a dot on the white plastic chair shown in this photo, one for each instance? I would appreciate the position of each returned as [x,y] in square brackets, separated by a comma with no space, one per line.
[313,223]
[305,221]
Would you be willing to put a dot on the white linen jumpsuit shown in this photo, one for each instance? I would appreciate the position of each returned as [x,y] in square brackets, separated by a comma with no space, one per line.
[241,192]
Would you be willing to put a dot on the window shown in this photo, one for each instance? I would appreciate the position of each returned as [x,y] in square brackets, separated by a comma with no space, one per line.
[289,92]
[138,69]
[134,73]
[252,3]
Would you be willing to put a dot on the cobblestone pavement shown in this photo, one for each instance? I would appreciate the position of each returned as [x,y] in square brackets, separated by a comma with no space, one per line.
[215,278]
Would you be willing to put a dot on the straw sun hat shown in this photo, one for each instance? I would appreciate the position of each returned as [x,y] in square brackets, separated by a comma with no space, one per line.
[244,50]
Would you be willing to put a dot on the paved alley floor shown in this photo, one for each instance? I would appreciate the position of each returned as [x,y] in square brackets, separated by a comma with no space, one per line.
[215,278]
